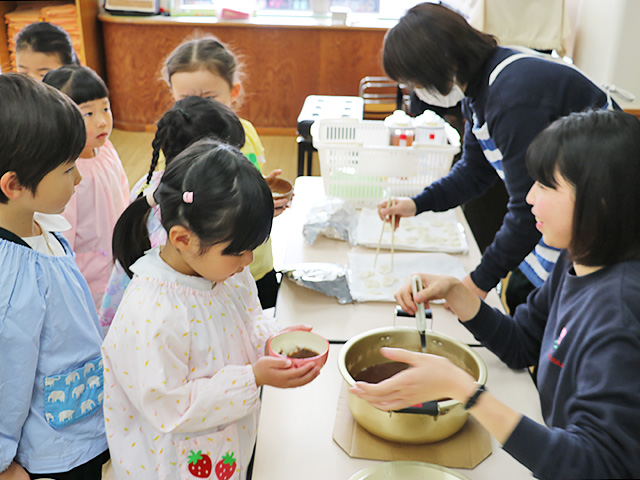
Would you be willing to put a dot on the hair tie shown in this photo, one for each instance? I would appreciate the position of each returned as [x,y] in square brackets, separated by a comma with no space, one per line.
[187,197]
[150,199]
[185,114]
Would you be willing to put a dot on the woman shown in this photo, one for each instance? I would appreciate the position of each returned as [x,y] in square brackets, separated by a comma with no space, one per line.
[507,99]
[582,326]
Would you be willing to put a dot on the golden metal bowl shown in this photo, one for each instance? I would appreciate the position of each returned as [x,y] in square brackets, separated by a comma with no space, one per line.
[447,417]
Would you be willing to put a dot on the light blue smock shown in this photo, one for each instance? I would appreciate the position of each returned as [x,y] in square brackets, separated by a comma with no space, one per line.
[51,383]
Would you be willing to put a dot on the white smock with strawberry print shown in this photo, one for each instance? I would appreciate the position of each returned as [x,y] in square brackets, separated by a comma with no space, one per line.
[181,400]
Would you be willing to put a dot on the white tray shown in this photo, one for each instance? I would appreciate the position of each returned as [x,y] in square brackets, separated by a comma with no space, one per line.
[361,273]
[427,232]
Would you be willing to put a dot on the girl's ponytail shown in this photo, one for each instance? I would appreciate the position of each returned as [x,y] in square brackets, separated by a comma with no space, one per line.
[130,235]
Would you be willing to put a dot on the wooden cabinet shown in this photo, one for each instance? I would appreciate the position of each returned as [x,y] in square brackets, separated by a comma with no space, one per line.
[283,64]
[87,11]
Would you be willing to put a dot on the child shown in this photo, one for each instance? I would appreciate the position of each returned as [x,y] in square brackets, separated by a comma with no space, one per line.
[582,325]
[41,47]
[50,364]
[190,119]
[207,68]
[184,355]
[103,194]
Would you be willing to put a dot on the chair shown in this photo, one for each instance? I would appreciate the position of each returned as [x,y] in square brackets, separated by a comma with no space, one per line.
[382,96]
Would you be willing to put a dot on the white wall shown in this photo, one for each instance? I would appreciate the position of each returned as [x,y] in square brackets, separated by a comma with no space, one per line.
[607,44]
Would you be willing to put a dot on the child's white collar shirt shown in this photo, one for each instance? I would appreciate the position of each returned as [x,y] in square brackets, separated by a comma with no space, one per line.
[46,242]
[178,375]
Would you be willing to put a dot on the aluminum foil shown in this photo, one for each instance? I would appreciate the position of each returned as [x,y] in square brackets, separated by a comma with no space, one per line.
[327,278]
[334,218]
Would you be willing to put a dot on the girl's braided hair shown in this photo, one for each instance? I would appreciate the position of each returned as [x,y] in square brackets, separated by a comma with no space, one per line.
[190,120]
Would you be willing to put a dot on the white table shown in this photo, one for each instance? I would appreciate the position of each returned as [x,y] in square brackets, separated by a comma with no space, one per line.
[297,304]
[296,425]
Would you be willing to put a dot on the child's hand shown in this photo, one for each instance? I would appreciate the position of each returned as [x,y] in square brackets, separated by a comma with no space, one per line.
[300,326]
[14,472]
[280,372]
[281,204]
[274,173]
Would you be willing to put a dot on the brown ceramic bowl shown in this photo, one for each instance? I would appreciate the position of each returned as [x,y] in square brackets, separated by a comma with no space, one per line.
[280,187]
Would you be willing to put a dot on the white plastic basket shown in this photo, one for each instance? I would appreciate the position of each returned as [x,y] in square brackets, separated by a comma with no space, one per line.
[358,164]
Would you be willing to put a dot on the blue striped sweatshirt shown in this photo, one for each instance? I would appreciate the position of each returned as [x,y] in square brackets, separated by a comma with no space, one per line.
[501,121]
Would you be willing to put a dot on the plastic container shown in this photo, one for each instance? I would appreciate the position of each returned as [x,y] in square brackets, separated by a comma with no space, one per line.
[358,164]
[430,128]
[401,130]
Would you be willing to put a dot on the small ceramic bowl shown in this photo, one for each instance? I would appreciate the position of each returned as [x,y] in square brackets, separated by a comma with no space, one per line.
[300,346]
[280,187]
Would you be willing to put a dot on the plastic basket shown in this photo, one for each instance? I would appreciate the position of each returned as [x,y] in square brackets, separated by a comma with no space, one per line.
[358,164]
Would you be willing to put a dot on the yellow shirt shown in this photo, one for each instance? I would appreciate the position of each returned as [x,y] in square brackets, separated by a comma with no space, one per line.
[254,151]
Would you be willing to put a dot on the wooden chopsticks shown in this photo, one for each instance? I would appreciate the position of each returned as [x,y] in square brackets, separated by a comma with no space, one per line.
[390,202]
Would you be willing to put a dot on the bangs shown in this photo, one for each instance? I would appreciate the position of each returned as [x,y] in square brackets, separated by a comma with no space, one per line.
[543,157]
[81,84]
[88,89]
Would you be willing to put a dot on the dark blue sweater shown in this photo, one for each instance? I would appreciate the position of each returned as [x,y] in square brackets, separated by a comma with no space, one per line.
[584,333]
[525,98]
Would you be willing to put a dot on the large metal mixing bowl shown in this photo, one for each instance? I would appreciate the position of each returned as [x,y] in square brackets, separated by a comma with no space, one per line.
[446,417]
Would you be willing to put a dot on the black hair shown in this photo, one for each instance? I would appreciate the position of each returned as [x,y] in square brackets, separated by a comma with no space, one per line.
[231,203]
[44,37]
[40,129]
[192,119]
[80,83]
[598,153]
[432,44]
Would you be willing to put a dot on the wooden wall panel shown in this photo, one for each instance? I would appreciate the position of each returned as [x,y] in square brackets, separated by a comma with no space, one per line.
[282,66]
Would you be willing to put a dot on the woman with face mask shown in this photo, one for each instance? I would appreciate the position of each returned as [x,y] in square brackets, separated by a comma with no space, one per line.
[507,98]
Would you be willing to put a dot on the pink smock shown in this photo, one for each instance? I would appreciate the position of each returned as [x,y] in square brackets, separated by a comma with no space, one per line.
[93,210]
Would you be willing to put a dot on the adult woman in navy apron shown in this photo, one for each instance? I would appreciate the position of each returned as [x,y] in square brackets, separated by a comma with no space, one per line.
[507,98]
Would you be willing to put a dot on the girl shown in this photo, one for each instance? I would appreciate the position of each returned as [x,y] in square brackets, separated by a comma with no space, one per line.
[582,325]
[41,47]
[190,119]
[103,194]
[507,99]
[184,356]
[50,366]
[207,68]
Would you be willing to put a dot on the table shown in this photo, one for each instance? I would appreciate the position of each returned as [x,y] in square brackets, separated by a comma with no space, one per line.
[296,425]
[341,322]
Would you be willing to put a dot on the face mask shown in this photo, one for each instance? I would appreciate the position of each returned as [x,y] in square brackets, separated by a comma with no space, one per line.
[435,98]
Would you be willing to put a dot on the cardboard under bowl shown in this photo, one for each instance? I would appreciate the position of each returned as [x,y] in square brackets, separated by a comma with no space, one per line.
[280,187]
[288,342]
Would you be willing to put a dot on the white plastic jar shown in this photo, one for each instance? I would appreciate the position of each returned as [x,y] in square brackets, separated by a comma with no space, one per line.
[401,129]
